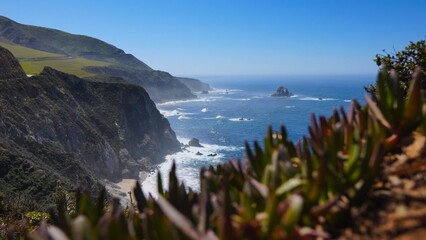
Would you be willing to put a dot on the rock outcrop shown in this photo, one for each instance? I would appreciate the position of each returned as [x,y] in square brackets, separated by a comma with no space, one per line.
[282,92]
[77,131]
[194,143]
[9,66]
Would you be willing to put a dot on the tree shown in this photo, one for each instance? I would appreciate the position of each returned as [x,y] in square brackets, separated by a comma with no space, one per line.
[403,62]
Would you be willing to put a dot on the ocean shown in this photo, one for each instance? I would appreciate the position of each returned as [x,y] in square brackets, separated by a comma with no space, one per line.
[240,109]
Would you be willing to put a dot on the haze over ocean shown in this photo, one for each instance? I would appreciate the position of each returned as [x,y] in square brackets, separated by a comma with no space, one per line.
[240,108]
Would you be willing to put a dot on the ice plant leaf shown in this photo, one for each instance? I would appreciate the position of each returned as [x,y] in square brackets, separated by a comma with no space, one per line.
[288,186]
[140,197]
[262,189]
[293,213]
[179,220]
[413,103]
[376,112]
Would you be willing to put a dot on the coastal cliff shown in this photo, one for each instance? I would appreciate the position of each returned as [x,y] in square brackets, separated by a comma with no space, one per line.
[58,127]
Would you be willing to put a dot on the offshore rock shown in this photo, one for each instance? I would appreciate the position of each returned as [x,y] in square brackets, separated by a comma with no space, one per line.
[282,92]
[195,143]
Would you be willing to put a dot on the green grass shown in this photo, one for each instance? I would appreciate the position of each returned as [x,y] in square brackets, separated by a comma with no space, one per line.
[32,61]
[24,52]
[71,66]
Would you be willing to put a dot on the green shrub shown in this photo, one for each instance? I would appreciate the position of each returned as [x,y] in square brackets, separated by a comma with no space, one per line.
[404,63]
[34,217]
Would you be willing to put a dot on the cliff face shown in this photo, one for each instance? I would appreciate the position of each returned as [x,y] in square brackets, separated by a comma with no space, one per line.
[9,66]
[78,130]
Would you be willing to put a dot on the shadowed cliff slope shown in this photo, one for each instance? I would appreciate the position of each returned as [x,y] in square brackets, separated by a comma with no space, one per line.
[56,126]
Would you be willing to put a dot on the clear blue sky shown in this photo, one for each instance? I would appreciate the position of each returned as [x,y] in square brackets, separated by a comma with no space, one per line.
[230,37]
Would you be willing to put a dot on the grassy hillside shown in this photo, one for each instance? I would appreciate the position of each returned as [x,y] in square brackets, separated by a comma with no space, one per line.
[72,65]
[24,52]
[33,61]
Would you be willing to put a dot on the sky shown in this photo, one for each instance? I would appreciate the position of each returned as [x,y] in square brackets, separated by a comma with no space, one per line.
[238,37]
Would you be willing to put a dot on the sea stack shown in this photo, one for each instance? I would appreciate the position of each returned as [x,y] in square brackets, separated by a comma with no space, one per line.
[282,92]
[194,143]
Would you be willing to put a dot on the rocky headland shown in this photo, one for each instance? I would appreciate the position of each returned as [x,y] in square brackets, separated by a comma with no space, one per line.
[56,127]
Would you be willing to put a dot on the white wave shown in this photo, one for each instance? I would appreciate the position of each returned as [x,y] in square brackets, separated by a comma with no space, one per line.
[186,101]
[187,165]
[317,99]
[183,117]
[241,119]
[204,110]
[215,118]
[175,112]
[347,100]
[290,106]
[225,91]
[215,97]
[170,113]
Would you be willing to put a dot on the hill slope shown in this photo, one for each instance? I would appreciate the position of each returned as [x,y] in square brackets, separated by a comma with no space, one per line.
[59,42]
[86,57]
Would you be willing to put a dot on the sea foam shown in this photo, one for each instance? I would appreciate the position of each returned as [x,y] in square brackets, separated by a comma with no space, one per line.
[187,165]
[317,99]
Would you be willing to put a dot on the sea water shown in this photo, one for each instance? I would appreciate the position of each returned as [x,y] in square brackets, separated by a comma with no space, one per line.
[240,109]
